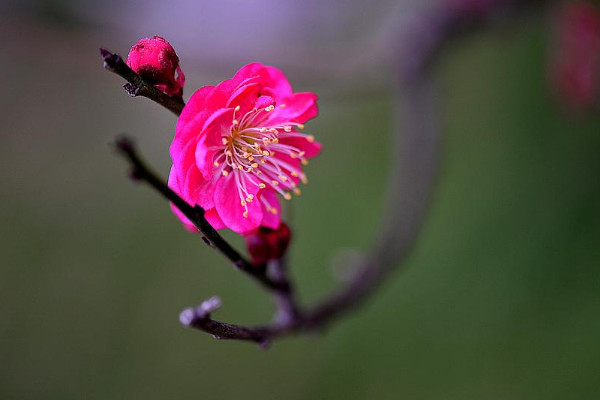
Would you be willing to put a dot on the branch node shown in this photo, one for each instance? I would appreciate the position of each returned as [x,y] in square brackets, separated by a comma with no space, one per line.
[132,90]
[208,306]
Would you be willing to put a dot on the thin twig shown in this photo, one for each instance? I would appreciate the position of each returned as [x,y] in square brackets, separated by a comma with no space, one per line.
[138,86]
[195,214]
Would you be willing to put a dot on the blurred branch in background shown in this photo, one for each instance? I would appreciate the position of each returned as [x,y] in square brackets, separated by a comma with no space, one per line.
[415,150]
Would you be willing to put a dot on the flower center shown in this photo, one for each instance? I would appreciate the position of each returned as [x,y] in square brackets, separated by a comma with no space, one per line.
[253,153]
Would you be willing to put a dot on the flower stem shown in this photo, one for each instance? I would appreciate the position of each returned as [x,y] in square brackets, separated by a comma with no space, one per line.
[137,86]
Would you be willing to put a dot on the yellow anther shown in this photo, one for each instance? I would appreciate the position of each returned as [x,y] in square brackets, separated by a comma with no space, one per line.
[263,130]
[254,165]
[287,196]
[274,211]
[225,173]
[293,155]
[262,185]
[297,192]
[294,173]
[304,179]
[228,153]
[310,138]
[300,126]
[243,203]
[240,167]
[274,183]
[265,153]
[235,122]
[245,214]
[246,155]
[304,161]
[250,158]
[248,199]
[237,108]
[216,164]
[282,178]
[224,141]
[287,128]
[302,153]
[275,140]
[282,106]
[270,108]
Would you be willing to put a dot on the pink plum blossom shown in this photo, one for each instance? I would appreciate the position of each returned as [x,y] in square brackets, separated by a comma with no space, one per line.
[155,60]
[238,146]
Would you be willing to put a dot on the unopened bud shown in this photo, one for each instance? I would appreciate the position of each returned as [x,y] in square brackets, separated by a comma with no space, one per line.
[266,244]
[157,63]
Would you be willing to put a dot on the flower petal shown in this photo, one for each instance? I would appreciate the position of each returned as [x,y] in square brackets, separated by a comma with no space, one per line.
[270,219]
[311,149]
[299,107]
[174,185]
[205,99]
[227,204]
[215,127]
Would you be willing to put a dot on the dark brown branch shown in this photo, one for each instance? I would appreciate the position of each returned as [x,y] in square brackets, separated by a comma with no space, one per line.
[411,183]
[196,215]
[137,86]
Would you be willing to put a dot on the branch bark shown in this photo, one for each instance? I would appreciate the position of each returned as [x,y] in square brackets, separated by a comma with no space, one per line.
[137,86]
[196,215]
[416,146]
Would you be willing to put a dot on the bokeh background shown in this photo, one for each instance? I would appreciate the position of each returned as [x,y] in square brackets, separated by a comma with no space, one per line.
[500,298]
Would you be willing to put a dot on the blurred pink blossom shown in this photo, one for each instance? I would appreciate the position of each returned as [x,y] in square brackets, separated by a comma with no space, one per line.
[575,67]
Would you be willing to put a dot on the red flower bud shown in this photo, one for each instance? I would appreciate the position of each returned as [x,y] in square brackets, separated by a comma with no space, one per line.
[156,62]
[266,244]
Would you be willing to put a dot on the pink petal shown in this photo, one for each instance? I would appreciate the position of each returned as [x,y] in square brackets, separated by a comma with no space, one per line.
[311,149]
[183,147]
[299,107]
[215,127]
[271,220]
[205,99]
[174,185]
[227,204]
[213,219]
[245,96]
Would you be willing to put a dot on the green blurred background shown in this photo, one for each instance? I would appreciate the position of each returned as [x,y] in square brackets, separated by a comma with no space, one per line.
[499,300]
